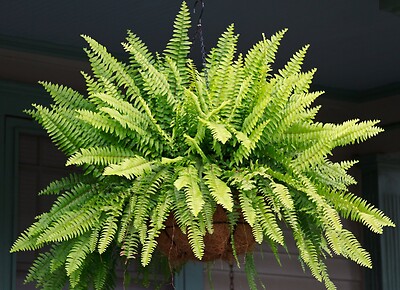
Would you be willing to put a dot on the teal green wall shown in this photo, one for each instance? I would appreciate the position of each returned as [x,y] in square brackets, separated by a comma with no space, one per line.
[14,98]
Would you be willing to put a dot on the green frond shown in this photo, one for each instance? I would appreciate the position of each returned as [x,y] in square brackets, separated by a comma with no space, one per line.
[258,60]
[70,225]
[219,62]
[153,80]
[325,211]
[309,114]
[334,241]
[209,209]
[182,215]
[219,190]
[149,246]
[325,278]
[196,241]
[304,81]
[29,240]
[145,189]
[60,253]
[102,122]
[245,149]
[77,254]
[333,174]
[194,146]
[126,218]
[192,100]
[246,203]
[40,267]
[294,65]
[231,88]
[65,184]
[93,86]
[175,81]
[305,134]
[309,254]
[103,276]
[257,113]
[161,210]
[268,223]
[219,131]
[100,156]
[188,180]
[280,94]
[313,155]
[125,108]
[134,41]
[59,126]
[94,237]
[130,167]
[233,218]
[104,65]
[243,180]
[353,131]
[250,269]
[26,242]
[258,232]
[178,46]
[126,121]
[158,217]
[355,208]
[109,229]
[130,244]
[40,272]
[124,80]
[294,111]
[65,97]
[283,195]
[198,84]
[244,89]
[243,139]
[219,110]
[69,201]
[352,249]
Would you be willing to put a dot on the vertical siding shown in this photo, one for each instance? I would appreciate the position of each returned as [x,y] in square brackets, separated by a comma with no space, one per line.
[345,274]
[38,163]
[390,244]
[389,199]
[389,202]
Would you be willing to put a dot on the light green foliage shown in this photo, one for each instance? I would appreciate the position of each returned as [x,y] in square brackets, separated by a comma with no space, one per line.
[218,188]
[155,137]
[188,181]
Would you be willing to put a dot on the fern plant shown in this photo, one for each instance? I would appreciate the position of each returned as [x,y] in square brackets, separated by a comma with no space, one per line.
[157,137]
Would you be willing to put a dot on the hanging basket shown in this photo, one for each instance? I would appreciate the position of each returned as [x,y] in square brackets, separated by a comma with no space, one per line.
[174,244]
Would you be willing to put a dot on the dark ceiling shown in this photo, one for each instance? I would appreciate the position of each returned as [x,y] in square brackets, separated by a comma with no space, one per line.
[354,44]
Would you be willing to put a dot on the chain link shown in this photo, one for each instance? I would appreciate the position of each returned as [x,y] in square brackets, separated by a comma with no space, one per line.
[199,33]
[199,30]
[231,278]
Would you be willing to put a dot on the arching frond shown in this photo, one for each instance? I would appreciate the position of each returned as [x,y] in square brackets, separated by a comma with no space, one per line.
[130,167]
[219,190]
[188,181]
[77,254]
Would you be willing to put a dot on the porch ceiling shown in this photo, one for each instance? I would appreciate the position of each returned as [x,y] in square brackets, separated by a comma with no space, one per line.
[354,44]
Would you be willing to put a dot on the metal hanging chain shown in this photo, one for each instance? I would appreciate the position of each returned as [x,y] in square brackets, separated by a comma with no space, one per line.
[231,277]
[199,30]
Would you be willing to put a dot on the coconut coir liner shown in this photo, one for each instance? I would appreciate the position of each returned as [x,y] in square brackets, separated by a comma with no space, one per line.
[175,245]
